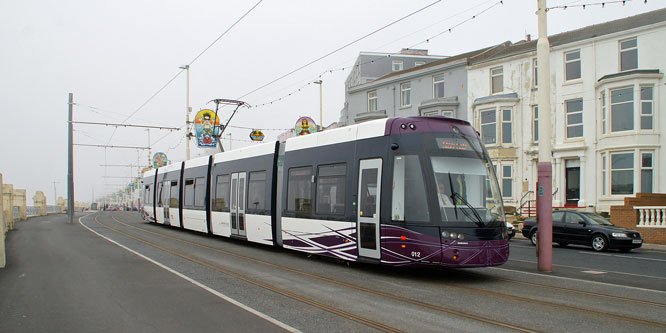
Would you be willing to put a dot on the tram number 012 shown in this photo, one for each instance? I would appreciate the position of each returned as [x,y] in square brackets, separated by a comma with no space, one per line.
[416,254]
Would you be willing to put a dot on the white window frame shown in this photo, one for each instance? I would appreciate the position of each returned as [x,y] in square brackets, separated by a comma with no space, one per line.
[604,179]
[633,171]
[623,51]
[535,73]
[572,61]
[535,123]
[372,101]
[567,113]
[435,83]
[419,63]
[633,109]
[405,94]
[506,124]
[496,72]
[506,179]
[494,125]
[396,65]
[604,114]
[445,113]
[649,168]
[643,103]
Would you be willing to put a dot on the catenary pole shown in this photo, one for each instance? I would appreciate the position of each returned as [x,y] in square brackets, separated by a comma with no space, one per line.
[545,168]
[70,163]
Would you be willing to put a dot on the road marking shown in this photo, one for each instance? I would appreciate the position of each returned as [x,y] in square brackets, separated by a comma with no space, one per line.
[575,267]
[195,282]
[621,256]
[594,272]
[580,280]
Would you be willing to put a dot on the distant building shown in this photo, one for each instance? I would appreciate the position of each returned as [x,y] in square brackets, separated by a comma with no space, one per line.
[370,66]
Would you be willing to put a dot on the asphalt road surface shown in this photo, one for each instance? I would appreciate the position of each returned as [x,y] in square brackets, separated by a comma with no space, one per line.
[114,272]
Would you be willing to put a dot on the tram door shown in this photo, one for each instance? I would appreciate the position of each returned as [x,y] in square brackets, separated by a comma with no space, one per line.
[166,197]
[238,204]
[369,190]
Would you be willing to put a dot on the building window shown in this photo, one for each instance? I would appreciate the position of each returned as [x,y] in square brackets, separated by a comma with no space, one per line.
[256,192]
[622,173]
[173,201]
[372,101]
[506,126]
[331,189]
[572,65]
[535,73]
[445,113]
[489,126]
[603,112]
[646,108]
[535,123]
[628,54]
[574,118]
[199,191]
[507,181]
[646,172]
[222,193]
[496,80]
[622,109]
[299,191]
[397,65]
[419,63]
[438,86]
[603,174]
[406,94]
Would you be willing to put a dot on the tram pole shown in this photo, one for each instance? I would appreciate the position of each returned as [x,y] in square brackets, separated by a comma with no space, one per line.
[70,162]
[545,169]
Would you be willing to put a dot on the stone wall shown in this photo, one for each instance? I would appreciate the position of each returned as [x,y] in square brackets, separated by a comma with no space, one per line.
[626,216]
[7,201]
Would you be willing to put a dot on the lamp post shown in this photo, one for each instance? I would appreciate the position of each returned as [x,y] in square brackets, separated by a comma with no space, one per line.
[321,123]
[188,109]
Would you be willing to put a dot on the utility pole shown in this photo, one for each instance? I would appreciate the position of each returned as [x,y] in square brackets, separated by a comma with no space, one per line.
[70,162]
[321,106]
[149,161]
[55,194]
[229,140]
[545,167]
[188,109]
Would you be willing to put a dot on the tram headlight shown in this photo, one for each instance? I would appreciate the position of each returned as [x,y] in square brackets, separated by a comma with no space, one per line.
[461,236]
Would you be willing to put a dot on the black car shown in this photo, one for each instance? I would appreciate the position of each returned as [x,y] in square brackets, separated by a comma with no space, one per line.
[586,228]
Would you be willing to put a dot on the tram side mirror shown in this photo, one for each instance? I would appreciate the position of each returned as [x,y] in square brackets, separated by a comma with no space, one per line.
[395,146]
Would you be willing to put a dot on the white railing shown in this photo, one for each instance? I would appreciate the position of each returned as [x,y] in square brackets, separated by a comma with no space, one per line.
[32,211]
[651,216]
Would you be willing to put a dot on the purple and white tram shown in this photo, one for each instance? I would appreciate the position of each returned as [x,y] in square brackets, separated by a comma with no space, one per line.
[396,191]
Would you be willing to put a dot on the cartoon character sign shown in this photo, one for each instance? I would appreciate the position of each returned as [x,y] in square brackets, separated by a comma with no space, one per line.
[159,160]
[305,125]
[206,123]
[257,135]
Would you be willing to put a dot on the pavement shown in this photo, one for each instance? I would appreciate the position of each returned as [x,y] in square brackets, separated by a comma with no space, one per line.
[60,277]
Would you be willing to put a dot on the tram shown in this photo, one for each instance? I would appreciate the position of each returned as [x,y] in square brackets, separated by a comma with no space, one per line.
[398,191]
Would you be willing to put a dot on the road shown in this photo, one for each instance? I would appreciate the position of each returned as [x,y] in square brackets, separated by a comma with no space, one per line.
[194,282]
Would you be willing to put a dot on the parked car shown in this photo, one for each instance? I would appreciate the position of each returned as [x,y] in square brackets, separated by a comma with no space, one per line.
[510,230]
[586,228]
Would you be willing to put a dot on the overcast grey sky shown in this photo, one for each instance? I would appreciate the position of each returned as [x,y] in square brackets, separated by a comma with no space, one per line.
[114,55]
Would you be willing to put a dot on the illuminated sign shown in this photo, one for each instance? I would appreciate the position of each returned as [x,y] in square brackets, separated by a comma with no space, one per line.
[305,125]
[206,122]
[257,135]
[452,144]
[159,160]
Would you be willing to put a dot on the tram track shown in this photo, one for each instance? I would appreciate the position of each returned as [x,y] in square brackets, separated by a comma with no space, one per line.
[435,307]
[474,317]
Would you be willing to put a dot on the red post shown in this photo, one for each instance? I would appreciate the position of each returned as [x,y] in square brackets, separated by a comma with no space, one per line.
[545,217]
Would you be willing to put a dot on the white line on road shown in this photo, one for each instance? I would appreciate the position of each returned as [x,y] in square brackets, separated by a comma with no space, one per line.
[586,268]
[196,283]
[620,256]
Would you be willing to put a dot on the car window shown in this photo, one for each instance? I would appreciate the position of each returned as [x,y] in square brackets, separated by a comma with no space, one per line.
[574,218]
[557,217]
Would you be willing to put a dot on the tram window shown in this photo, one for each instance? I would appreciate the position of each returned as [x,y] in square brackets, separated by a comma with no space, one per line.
[222,187]
[257,191]
[331,189]
[299,191]
[189,192]
[173,201]
[199,191]
[368,195]
[409,201]
[147,196]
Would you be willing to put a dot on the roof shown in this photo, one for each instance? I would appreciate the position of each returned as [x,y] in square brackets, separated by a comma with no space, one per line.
[507,49]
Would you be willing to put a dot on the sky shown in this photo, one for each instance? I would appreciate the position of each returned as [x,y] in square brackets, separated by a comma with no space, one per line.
[120,60]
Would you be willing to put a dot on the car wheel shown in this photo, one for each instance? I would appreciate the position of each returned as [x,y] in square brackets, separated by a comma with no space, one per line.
[599,243]
[562,244]
[533,237]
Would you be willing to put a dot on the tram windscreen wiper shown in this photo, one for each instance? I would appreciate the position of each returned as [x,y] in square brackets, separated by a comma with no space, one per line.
[456,195]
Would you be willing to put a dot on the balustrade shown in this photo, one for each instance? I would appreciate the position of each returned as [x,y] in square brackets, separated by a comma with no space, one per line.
[651,216]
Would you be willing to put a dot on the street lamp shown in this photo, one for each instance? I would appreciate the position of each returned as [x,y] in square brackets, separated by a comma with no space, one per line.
[188,109]
[321,123]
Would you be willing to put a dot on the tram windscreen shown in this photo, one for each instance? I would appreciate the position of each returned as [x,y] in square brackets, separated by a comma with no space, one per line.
[466,185]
